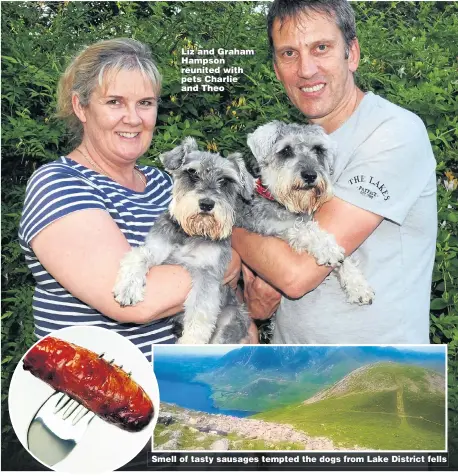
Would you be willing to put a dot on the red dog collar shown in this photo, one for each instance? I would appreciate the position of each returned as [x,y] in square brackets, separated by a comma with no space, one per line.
[263,190]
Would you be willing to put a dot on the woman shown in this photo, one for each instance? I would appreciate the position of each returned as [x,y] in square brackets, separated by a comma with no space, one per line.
[84,211]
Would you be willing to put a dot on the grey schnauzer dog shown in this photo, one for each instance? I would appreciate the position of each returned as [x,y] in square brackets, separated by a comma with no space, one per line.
[295,163]
[195,233]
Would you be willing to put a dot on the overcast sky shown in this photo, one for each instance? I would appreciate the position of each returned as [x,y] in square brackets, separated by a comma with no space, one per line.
[224,349]
[428,348]
[194,349]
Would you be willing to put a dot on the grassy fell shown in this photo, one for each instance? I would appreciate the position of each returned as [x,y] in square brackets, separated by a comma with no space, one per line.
[382,406]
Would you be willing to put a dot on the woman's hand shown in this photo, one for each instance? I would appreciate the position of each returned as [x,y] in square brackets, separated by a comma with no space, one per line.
[261,299]
[232,275]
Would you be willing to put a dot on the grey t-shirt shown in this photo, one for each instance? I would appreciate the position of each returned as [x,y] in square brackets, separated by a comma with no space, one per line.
[385,164]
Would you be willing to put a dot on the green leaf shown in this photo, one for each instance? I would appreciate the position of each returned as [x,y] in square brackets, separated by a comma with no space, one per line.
[10,59]
[453,217]
[438,303]
[193,132]
[192,110]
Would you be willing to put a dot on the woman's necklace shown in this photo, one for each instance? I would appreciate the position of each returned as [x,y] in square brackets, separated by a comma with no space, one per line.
[103,172]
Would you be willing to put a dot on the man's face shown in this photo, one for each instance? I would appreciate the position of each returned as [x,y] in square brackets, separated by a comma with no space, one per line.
[310,62]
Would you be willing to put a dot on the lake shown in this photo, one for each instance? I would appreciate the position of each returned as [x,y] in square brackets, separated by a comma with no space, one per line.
[193,396]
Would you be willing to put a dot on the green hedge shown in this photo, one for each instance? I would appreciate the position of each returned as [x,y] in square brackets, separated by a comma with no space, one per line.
[409,53]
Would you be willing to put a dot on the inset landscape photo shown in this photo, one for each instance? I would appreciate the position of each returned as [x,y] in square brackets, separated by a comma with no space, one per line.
[323,398]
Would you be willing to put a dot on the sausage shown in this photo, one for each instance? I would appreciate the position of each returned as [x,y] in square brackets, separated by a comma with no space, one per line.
[103,388]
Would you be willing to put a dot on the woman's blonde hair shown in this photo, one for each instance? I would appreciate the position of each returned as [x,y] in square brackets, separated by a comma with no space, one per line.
[88,68]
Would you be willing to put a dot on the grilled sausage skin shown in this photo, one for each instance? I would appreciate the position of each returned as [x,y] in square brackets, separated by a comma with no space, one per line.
[103,388]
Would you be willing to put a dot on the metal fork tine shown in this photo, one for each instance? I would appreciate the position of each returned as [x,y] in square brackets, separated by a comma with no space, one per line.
[71,407]
[63,400]
[88,416]
[79,412]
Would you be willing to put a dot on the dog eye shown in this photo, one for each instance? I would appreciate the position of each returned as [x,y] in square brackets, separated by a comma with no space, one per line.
[286,152]
[192,173]
[223,181]
[320,151]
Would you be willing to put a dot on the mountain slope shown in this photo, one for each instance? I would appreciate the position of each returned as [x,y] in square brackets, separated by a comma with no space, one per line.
[385,406]
[264,377]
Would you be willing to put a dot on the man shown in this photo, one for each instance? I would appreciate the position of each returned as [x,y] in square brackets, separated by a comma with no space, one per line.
[384,208]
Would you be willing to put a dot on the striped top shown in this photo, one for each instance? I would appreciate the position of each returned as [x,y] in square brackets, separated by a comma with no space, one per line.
[63,187]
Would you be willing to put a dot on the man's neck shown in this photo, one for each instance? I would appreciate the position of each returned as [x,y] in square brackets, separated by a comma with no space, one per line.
[332,122]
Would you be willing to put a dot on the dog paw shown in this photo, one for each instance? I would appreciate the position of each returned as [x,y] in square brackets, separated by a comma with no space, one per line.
[318,243]
[129,293]
[362,295]
[297,240]
[333,256]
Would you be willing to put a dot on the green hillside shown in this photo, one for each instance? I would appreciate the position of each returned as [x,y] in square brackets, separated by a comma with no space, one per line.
[382,406]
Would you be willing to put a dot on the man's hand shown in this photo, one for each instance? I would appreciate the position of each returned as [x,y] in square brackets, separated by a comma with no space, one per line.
[232,275]
[253,335]
[261,299]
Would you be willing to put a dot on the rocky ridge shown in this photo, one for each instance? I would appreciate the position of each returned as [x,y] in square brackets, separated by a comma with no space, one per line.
[201,423]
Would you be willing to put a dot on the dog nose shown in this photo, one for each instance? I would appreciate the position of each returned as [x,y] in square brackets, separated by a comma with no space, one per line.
[308,177]
[206,204]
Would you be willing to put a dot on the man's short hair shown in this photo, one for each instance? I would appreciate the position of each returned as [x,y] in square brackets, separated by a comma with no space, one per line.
[340,10]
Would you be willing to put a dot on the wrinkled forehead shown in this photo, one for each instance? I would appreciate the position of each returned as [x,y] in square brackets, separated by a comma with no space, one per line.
[298,142]
[210,164]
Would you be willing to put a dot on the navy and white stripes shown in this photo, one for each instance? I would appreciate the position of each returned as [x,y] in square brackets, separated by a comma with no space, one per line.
[62,187]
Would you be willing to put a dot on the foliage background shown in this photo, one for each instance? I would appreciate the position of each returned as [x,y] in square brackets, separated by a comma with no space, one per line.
[409,53]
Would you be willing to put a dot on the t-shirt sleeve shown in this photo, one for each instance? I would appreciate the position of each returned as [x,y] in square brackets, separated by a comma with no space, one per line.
[167,179]
[52,193]
[389,171]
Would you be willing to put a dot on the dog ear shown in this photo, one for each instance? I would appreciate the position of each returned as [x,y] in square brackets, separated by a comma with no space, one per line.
[262,140]
[246,180]
[175,158]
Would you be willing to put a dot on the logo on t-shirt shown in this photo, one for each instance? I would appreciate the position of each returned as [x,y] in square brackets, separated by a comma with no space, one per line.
[370,187]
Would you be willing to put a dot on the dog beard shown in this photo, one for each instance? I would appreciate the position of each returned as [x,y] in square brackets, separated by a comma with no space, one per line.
[296,199]
[205,225]
[216,225]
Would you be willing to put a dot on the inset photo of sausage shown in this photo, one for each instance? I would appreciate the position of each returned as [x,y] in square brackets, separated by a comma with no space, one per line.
[84,400]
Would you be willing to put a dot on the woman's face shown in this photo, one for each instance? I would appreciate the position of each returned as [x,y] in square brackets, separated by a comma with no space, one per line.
[120,117]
